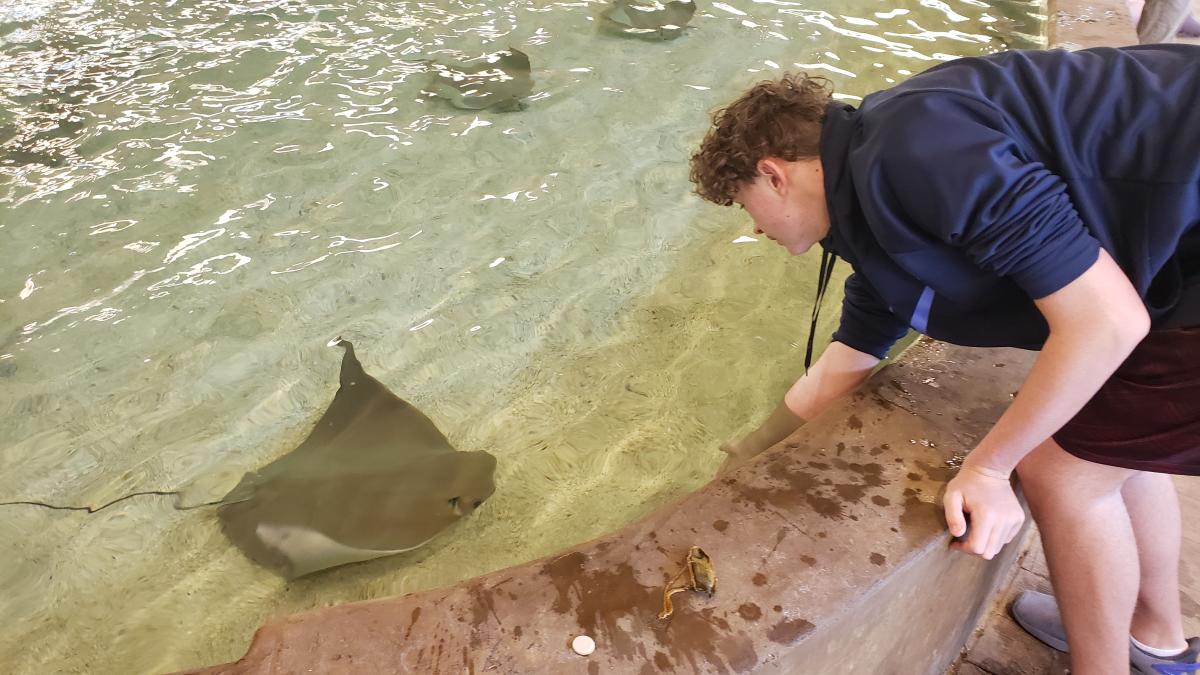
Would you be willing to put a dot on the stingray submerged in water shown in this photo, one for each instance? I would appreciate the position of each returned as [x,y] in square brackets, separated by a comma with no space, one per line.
[498,81]
[375,477]
[650,18]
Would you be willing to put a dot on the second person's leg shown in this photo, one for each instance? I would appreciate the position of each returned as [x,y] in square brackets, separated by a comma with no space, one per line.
[1153,508]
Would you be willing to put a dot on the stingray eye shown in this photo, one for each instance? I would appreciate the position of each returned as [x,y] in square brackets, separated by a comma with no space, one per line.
[454,503]
[476,503]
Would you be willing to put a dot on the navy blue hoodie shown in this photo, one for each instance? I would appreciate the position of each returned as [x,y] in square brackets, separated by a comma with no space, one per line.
[981,184]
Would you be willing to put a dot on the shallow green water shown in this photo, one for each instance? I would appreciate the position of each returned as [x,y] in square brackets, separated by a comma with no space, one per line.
[196,196]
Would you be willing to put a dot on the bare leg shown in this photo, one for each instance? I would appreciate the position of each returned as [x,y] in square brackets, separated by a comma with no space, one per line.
[1090,550]
[1153,509]
[1189,28]
[1162,19]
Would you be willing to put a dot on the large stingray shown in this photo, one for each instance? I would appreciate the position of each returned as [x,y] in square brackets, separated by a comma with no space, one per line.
[374,478]
[664,20]
[497,81]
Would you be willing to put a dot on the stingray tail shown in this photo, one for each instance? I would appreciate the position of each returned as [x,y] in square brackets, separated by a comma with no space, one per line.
[94,509]
[352,370]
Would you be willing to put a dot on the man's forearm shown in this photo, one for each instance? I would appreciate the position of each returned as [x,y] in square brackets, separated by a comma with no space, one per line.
[1067,373]
[1095,322]
[839,370]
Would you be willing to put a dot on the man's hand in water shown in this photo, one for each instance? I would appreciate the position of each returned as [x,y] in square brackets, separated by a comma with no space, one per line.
[781,423]
[996,515]
[739,453]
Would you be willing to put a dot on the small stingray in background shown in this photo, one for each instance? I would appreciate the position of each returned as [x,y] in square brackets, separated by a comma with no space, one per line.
[375,477]
[663,20]
[46,134]
[498,81]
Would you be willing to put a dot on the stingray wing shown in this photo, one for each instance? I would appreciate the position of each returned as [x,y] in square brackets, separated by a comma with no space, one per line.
[503,80]
[304,522]
[374,477]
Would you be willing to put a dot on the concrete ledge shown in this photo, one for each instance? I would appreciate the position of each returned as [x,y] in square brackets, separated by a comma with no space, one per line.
[830,552]
[1079,24]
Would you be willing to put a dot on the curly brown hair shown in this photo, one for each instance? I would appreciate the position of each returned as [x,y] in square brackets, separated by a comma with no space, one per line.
[775,118]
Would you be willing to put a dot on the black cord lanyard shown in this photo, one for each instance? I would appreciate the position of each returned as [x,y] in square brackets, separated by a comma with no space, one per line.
[828,259]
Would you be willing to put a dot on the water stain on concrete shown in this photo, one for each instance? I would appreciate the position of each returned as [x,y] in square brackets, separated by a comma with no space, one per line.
[597,598]
[880,500]
[720,525]
[759,579]
[808,560]
[800,489]
[882,402]
[878,559]
[750,611]
[416,614]
[872,473]
[919,518]
[604,602]
[854,423]
[483,609]
[704,634]
[803,488]
[789,631]
[740,651]
[872,477]
[851,493]
[941,474]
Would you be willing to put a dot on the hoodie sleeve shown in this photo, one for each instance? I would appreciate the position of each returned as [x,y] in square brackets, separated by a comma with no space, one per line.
[867,325]
[941,167]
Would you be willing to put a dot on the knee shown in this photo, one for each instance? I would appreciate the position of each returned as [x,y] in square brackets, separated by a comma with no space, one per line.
[1038,488]
[1050,475]
[1041,471]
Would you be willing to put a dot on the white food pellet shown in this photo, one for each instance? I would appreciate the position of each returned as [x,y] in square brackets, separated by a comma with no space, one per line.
[583,645]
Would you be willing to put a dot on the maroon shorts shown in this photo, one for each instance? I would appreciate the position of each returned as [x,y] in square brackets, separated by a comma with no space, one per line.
[1147,415]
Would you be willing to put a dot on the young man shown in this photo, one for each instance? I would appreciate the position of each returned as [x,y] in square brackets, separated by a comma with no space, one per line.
[1044,200]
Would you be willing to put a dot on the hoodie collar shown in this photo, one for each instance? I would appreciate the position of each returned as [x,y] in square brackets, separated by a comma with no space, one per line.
[838,132]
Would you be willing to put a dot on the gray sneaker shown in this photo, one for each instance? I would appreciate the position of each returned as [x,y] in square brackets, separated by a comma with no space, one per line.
[1038,614]
[1187,663]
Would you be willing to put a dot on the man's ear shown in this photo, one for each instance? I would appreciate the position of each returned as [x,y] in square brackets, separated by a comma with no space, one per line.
[773,169]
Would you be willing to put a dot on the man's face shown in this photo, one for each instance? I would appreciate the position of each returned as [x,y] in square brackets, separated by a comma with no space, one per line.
[786,200]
